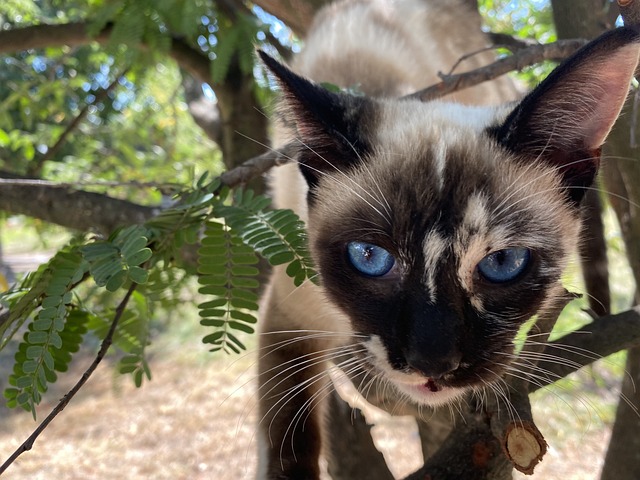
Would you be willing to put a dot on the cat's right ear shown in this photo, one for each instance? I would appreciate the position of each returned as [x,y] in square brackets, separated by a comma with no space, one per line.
[566,119]
[331,127]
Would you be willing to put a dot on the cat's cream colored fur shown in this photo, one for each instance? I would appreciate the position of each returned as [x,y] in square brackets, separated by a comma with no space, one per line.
[412,40]
[387,49]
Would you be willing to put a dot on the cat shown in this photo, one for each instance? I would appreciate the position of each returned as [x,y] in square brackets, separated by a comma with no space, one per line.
[437,228]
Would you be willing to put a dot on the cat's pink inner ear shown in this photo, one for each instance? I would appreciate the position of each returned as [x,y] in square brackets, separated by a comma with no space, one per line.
[584,109]
[608,91]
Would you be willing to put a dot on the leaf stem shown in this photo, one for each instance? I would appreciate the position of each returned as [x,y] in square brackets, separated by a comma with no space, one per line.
[104,347]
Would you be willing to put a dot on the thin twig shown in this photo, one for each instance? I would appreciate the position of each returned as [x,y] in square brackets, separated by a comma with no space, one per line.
[259,165]
[104,347]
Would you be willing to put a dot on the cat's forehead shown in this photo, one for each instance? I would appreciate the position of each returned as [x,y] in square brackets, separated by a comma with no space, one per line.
[415,121]
[433,165]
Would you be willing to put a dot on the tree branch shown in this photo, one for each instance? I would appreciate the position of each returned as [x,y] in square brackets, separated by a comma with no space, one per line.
[104,347]
[487,444]
[604,336]
[54,203]
[76,34]
[522,58]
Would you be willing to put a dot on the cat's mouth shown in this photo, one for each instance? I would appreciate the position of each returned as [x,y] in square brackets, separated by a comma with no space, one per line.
[431,386]
[429,392]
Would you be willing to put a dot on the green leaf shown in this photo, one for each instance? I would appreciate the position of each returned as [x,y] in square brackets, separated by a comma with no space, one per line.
[116,281]
[37,337]
[138,275]
[243,327]
[139,257]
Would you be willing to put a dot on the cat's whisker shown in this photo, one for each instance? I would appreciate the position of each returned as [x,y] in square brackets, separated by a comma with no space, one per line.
[344,175]
[308,406]
[305,365]
[548,171]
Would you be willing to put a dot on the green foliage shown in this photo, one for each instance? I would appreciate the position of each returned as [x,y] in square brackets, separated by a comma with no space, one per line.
[227,273]
[234,38]
[232,231]
[51,337]
[278,235]
[227,259]
[532,19]
[526,19]
[112,263]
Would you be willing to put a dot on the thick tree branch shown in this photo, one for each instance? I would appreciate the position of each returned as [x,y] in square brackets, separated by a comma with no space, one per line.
[487,444]
[76,34]
[604,336]
[69,207]
[53,202]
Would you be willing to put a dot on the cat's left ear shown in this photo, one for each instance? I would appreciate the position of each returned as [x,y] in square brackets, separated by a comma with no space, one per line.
[331,126]
[566,119]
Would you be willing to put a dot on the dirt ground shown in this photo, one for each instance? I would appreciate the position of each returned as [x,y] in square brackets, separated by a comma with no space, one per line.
[195,420]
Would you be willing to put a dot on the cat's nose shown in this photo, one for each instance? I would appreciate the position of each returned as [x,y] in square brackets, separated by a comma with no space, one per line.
[434,368]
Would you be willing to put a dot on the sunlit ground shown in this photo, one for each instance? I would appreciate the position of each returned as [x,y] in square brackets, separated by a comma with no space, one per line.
[196,418]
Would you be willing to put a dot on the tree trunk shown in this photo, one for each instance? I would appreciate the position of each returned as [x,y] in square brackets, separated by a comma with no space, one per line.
[244,125]
[622,179]
[622,461]
[589,18]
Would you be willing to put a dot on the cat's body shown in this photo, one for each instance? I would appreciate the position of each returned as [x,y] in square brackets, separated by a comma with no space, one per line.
[437,228]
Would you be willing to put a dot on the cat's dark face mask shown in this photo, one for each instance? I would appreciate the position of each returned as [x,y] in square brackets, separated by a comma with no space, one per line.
[440,229]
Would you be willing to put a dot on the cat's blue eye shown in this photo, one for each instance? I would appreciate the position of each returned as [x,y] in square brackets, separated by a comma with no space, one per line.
[370,259]
[504,265]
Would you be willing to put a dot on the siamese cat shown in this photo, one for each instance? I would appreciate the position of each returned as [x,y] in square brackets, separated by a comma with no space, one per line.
[437,228]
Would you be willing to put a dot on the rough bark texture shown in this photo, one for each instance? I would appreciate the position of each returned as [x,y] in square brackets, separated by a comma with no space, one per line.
[589,18]
[622,461]
[593,255]
[349,437]
[471,452]
[244,126]
[75,209]
[622,177]
[582,19]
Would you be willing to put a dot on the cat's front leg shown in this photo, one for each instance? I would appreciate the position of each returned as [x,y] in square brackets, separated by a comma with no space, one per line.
[292,384]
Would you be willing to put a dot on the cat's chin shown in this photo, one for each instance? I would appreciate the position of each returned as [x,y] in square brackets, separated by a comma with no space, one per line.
[428,392]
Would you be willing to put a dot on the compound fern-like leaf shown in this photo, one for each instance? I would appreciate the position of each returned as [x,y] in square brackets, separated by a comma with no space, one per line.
[49,333]
[277,235]
[227,273]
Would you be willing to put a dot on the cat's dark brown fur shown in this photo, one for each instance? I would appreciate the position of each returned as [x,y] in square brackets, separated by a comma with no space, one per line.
[437,228]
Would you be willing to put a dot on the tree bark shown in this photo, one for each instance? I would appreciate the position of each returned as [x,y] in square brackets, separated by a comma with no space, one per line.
[622,461]
[622,178]
[75,34]
[244,125]
[593,255]
[589,18]
[71,208]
